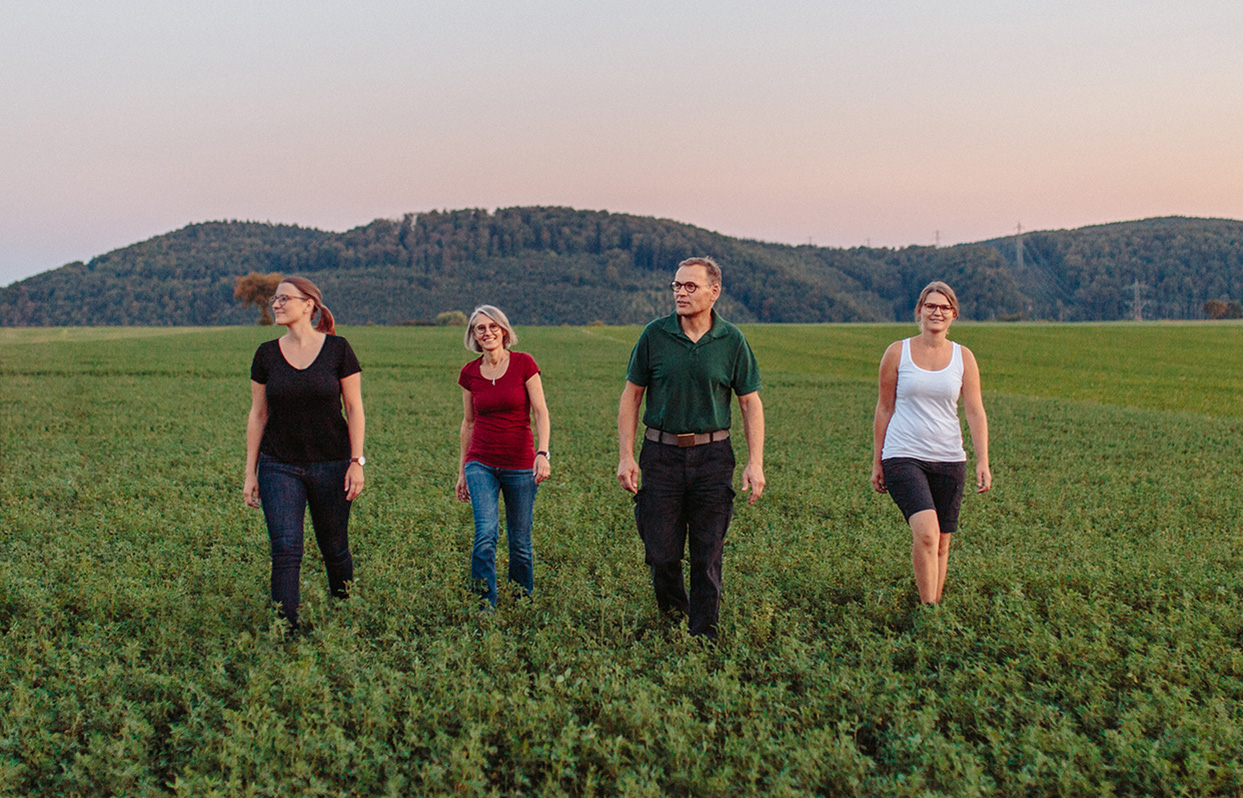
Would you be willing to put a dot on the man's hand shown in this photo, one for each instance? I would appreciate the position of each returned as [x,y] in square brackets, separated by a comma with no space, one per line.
[753,480]
[628,474]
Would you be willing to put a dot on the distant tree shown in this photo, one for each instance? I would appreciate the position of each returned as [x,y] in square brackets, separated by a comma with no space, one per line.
[257,289]
[451,318]
[1223,309]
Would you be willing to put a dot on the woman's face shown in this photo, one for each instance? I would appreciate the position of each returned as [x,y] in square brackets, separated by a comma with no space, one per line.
[488,334]
[936,313]
[289,305]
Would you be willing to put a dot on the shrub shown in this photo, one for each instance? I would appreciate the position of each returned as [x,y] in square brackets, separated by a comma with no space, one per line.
[451,318]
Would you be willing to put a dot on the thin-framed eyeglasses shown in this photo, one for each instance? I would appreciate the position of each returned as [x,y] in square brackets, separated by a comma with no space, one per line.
[280,299]
[690,288]
[945,309]
[484,329]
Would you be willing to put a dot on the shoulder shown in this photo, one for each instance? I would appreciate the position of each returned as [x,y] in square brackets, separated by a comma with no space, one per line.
[526,364]
[893,350]
[968,357]
[336,345]
[657,327]
[471,368]
[341,356]
[731,335]
[268,351]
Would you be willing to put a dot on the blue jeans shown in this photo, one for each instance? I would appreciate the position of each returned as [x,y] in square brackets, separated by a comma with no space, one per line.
[518,485]
[285,490]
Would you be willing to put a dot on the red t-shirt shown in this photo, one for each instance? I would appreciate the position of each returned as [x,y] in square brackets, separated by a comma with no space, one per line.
[502,436]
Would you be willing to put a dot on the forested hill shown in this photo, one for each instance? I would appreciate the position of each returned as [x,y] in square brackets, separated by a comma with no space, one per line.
[559,265]
[1173,265]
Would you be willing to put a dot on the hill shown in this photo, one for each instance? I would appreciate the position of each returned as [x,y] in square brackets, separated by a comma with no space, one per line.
[549,265]
[1091,273]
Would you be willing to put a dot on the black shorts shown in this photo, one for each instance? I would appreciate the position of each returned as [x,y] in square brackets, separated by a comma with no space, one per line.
[917,485]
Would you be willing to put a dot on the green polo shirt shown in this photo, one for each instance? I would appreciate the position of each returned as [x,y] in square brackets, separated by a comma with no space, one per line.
[688,383]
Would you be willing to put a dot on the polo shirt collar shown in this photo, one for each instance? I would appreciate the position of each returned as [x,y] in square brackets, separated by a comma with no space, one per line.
[717,330]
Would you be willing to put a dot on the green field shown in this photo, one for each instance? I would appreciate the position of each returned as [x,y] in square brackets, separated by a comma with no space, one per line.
[1090,642]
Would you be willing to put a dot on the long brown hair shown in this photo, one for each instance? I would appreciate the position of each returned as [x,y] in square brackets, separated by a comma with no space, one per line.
[325,323]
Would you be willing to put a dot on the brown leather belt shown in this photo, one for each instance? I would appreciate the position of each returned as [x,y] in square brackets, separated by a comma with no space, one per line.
[688,439]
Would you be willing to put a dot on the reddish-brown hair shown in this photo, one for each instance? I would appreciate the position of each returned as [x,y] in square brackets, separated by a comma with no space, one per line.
[325,323]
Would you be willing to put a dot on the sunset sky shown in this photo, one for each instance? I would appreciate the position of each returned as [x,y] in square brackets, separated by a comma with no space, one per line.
[842,124]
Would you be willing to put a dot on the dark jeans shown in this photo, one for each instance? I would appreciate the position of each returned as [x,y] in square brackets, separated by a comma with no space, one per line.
[285,491]
[687,493]
[518,486]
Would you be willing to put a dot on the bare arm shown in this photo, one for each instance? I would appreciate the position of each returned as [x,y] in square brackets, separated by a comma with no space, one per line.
[543,429]
[977,420]
[356,420]
[886,397]
[753,428]
[467,430]
[627,427]
[256,423]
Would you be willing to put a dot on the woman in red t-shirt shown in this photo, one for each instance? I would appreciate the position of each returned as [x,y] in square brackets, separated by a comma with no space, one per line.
[500,392]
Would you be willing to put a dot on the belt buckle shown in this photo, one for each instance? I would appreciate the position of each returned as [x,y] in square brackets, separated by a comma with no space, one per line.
[686,439]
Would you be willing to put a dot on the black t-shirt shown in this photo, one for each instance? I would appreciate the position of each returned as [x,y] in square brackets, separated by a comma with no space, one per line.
[305,424]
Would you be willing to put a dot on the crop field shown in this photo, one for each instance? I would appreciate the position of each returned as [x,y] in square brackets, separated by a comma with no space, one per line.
[1090,642]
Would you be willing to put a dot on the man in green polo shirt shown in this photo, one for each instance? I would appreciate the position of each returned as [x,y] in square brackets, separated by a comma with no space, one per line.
[689,364]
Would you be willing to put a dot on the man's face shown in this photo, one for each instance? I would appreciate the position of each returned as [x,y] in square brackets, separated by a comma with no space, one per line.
[690,303]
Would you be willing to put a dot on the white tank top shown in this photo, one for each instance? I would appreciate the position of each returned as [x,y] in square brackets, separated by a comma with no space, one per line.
[925,412]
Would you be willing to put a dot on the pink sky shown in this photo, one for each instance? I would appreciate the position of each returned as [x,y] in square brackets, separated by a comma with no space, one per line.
[791,122]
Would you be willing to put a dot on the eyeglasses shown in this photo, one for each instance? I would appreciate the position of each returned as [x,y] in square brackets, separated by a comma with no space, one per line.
[483,329]
[280,299]
[690,288]
[945,309]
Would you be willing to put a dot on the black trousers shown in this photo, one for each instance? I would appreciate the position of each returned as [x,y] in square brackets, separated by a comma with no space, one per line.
[687,493]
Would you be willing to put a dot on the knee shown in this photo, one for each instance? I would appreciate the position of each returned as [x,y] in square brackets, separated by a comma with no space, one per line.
[485,545]
[286,551]
[338,556]
[927,539]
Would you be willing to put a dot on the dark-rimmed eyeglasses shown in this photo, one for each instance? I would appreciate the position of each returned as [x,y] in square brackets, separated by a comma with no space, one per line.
[690,288]
[280,299]
[945,309]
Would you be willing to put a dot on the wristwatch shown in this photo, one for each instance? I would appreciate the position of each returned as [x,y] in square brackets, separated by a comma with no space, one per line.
[362,461]
[547,456]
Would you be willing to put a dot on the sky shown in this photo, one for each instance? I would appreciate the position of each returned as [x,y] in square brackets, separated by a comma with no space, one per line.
[887,123]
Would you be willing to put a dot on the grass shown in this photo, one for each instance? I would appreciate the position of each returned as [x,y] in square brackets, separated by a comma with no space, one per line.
[1089,642]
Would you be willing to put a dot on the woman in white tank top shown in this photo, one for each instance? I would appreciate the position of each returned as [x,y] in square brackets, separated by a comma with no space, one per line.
[918,457]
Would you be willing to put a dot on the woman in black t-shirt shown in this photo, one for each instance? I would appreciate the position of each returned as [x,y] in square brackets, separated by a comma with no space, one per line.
[300,450]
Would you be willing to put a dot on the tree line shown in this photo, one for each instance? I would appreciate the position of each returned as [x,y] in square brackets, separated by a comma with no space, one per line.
[553,265]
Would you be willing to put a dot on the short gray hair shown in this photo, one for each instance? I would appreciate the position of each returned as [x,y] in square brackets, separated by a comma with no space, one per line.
[497,315]
[714,268]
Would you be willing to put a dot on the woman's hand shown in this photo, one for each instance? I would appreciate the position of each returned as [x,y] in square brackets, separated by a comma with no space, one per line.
[250,490]
[353,481]
[463,492]
[983,478]
[878,478]
[542,468]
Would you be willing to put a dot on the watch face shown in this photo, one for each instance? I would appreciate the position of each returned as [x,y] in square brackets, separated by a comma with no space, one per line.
[361,460]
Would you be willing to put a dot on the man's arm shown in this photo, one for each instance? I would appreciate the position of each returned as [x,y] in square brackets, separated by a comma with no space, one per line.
[753,427]
[627,426]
